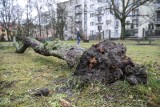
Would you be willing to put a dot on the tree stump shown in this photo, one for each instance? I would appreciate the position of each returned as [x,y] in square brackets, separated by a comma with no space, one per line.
[107,62]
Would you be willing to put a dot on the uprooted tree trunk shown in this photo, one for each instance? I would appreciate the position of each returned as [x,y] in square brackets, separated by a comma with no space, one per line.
[105,62]
[70,54]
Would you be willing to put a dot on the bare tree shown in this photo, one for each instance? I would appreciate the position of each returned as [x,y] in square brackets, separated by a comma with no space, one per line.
[39,6]
[8,15]
[45,19]
[18,29]
[122,8]
[28,23]
[51,16]
[61,20]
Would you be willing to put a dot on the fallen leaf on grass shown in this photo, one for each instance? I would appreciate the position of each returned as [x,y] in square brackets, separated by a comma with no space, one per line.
[65,103]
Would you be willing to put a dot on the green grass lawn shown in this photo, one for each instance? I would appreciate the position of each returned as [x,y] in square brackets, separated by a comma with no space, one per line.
[22,73]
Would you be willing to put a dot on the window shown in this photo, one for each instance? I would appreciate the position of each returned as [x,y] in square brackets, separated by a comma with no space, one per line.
[78,18]
[91,23]
[108,32]
[117,23]
[108,22]
[85,16]
[85,7]
[116,31]
[78,9]
[91,6]
[100,9]
[99,19]
[127,22]
[135,12]
[100,0]
[99,28]
[135,22]
[92,14]
[85,25]
[91,32]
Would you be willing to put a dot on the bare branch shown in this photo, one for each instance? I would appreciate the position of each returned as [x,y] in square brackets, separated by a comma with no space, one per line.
[135,5]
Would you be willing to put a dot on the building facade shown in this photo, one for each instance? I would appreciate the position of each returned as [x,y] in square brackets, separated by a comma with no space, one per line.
[95,21]
[92,18]
[144,21]
[157,18]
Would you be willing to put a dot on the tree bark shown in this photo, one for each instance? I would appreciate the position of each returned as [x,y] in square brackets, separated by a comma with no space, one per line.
[8,35]
[123,30]
[71,54]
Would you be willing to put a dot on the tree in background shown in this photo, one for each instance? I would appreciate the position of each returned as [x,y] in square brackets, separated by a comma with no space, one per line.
[17,28]
[51,16]
[61,20]
[28,24]
[45,17]
[39,6]
[122,8]
[9,16]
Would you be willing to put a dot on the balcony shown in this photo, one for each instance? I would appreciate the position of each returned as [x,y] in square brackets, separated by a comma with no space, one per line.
[99,13]
[85,9]
[77,5]
[157,22]
[99,22]
[78,11]
[135,16]
[78,20]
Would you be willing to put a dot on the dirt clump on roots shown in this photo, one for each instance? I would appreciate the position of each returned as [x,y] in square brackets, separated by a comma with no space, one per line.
[107,62]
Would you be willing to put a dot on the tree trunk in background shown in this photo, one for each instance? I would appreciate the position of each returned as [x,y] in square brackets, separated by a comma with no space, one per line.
[9,35]
[61,36]
[123,30]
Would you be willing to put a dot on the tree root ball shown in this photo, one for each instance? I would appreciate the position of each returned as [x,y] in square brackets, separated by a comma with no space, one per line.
[107,62]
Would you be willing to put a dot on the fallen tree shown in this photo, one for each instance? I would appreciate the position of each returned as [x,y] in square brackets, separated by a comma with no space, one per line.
[105,62]
[70,54]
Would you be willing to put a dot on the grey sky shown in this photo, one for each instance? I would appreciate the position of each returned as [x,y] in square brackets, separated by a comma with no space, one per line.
[24,2]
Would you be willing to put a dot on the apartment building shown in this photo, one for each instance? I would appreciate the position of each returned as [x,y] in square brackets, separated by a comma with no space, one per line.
[95,21]
[100,21]
[145,20]
[92,18]
[157,18]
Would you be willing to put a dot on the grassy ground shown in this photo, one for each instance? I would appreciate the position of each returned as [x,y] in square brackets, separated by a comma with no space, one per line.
[22,73]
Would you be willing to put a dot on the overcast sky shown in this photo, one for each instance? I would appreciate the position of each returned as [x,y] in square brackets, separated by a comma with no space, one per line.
[24,2]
